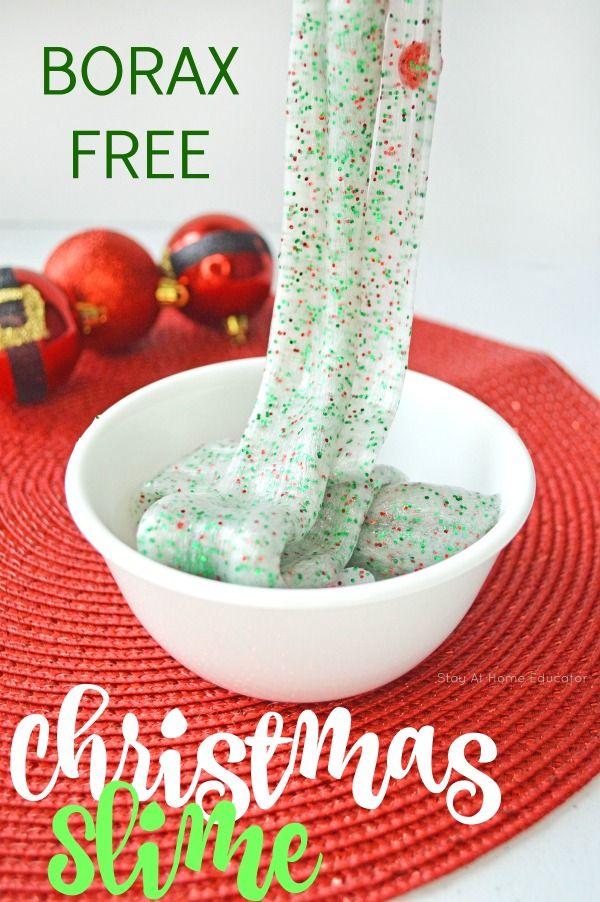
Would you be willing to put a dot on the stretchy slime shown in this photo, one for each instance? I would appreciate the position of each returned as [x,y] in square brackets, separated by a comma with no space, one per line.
[294,502]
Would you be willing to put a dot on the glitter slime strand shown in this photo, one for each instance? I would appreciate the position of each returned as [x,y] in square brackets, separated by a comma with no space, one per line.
[394,211]
[300,497]
[288,447]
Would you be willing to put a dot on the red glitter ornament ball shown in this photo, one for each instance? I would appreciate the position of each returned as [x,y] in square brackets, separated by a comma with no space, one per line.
[39,337]
[225,265]
[112,284]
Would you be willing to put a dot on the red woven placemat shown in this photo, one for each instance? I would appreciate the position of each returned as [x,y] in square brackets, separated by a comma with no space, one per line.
[65,623]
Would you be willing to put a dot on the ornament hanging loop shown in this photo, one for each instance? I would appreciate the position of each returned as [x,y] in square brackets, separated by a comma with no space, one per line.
[237,328]
[171,293]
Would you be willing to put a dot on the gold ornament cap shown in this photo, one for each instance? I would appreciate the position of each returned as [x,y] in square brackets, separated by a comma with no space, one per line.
[91,316]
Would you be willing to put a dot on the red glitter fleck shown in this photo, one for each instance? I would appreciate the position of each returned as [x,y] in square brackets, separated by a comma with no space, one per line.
[412,64]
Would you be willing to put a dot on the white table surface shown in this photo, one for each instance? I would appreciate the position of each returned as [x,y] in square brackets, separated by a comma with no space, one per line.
[548,305]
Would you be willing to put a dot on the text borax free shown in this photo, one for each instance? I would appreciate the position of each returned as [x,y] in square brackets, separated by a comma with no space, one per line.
[145,65]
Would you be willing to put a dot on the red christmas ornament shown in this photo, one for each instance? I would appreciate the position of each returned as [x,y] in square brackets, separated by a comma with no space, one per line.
[113,285]
[39,337]
[226,267]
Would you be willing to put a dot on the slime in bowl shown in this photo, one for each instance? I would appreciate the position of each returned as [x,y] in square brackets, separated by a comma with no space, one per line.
[293,644]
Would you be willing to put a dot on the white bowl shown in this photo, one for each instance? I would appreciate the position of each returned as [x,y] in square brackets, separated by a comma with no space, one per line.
[293,644]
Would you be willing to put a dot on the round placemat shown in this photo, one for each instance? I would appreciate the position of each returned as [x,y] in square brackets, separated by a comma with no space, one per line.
[531,640]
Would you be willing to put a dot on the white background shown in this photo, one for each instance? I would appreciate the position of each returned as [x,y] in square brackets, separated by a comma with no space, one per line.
[512,233]
[512,236]
[514,168]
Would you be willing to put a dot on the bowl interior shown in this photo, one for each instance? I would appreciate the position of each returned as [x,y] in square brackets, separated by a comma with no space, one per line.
[440,434]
